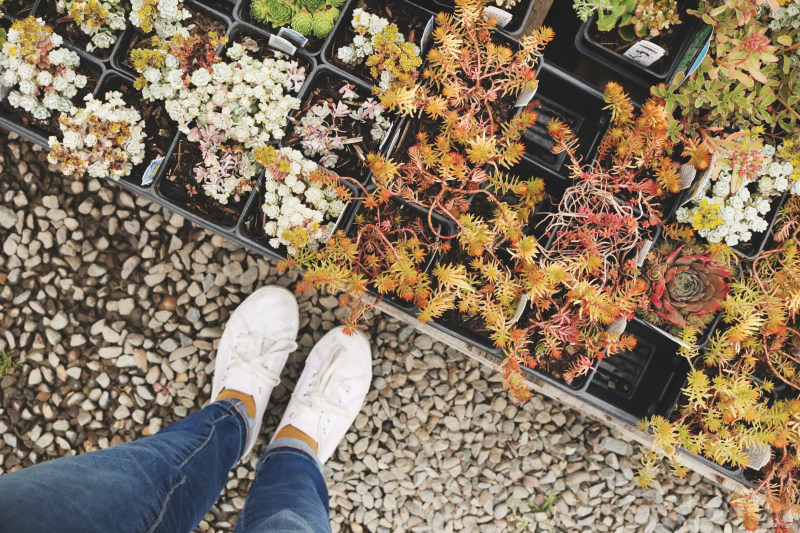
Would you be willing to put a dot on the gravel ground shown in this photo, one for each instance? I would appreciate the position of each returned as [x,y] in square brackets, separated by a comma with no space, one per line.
[116,307]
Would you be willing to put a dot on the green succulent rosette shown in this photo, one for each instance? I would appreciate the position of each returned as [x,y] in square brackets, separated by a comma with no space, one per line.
[280,13]
[303,22]
[259,10]
[335,3]
[311,5]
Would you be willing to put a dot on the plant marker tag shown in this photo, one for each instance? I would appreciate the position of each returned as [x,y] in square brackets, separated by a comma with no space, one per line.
[688,174]
[526,96]
[4,91]
[758,456]
[523,303]
[645,53]
[647,245]
[618,326]
[151,171]
[502,17]
[697,188]
[700,57]
[279,43]
[294,37]
[426,35]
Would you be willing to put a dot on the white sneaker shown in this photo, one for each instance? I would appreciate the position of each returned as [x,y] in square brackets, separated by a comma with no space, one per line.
[256,342]
[331,390]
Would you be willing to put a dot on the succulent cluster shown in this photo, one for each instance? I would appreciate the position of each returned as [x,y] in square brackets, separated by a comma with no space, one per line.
[104,139]
[38,70]
[786,17]
[381,46]
[632,18]
[322,129]
[733,205]
[227,169]
[299,213]
[308,17]
[248,99]
[686,285]
[102,20]
[162,16]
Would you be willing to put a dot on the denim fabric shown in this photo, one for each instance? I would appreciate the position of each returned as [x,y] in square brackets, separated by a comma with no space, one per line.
[288,495]
[164,484]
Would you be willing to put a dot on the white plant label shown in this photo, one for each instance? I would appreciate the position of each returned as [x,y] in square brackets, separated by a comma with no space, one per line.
[618,326]
[704,179]
[688,173]
[151,171]
[647,245]
[296,38]
[4,91]
[502,17]
[645,53]
[426,35]
[279,43]
[526,96]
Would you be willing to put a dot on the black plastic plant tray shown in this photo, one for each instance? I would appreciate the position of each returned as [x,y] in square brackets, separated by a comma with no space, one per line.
[241,13]
[131,33]
[46,10]
[343,33]
[690,36]
[639,383]
[564,96]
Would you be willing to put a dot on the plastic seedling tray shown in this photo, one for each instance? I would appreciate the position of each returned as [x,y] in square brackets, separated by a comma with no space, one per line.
[691,37]
[314,45]
[562,95]
[518,14]
[132,36]
[411,21]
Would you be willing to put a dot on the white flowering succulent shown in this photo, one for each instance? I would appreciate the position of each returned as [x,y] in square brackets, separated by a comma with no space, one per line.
[162,16]
[731,209]
[40,73]
[102,20]
[376,34]
[298,214]
[103,138]
[248,98]
[786,17]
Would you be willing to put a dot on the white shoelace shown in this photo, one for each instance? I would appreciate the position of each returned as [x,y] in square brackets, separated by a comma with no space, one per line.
[250,356]
[325,387]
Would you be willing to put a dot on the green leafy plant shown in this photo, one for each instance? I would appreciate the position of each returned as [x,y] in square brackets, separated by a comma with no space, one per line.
[633,18]
[308,17]
[8,365]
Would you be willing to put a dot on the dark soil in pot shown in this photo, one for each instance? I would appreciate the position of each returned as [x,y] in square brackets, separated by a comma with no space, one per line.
[50,125]
[409,22]
[199,23]
[517,11]
[178,185]
[17,8]
[159,129]
[63,25]
[352,156]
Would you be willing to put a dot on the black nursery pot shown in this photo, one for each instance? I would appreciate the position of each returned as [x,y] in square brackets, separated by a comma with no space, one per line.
[241,13]
[160,131]
[204,18]
[643,382]
[411,21]
[753,249]
[519,13]
[326,83]
[64,26]
[690,38]
[39,131]
[576,103]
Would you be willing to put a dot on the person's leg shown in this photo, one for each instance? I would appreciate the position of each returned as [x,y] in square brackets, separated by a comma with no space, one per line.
[288,494]
[164,483]
[168,482]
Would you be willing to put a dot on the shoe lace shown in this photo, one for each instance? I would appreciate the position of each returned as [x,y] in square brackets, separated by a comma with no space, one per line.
[250,355]
[325,388]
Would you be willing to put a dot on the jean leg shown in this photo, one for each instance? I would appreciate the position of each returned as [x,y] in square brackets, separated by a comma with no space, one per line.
[165,483]
[288,495]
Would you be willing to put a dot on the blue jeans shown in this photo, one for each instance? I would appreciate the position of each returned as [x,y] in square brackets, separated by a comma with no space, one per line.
[167,483]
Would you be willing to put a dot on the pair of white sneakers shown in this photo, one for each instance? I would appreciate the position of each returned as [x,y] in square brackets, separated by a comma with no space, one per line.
[254,347]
